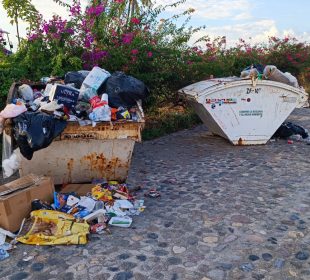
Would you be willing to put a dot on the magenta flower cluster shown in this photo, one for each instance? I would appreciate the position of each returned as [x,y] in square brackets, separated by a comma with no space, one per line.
[95,10]
[75,9]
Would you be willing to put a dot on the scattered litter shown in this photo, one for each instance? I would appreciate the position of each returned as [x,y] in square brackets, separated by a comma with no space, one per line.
[121,221]
[5,233]
[4,246]
[28,258]
[3,253]
[11,165]
[48,227]
[292,132]
[153,193]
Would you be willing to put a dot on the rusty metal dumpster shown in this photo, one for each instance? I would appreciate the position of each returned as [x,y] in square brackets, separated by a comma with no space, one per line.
[83,153]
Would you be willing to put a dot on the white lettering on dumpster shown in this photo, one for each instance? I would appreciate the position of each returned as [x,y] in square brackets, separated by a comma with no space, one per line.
[247,113]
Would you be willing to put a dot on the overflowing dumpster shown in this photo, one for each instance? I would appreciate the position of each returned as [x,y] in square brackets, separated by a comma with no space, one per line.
[80,153]
[244,111]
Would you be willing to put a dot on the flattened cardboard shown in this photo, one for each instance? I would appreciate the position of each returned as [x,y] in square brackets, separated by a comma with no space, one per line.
[79,189]
[16,197]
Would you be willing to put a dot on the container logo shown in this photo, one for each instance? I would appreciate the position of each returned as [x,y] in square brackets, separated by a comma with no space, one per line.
[221,101]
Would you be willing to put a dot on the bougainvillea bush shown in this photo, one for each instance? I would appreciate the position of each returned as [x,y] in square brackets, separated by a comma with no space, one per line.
[141,44]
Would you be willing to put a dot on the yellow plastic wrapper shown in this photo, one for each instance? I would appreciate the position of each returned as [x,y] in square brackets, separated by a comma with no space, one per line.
[48,227]
[101,194]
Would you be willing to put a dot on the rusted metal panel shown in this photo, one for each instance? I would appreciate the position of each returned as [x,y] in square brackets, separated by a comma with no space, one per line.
[103,130]
[80,161]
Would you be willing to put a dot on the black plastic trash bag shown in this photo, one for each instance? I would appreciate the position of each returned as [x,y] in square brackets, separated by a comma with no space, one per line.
[76,77]
[124,91]
[34,131]
[288,129]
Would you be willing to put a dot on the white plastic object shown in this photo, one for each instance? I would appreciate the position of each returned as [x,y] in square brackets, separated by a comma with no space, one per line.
[96,78]
[123,203]
[12,111]
[105,98]
[272,73]
[292,79]
[95,215]
[48,89]
[102,113]
[11,165]
[121,221]
[26,92]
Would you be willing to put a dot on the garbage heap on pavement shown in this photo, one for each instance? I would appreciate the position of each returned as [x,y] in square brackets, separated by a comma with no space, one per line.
[71,216]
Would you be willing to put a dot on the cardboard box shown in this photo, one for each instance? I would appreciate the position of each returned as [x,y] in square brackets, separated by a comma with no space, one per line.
[16,198]
[79,189]
[65,95]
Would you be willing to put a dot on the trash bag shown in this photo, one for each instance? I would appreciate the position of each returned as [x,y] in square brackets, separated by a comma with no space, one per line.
[255,67]
[76,77]
[34,131]
[11,165]
[125,90]
[288,129]
[272,73]
[48,227]
[12,111]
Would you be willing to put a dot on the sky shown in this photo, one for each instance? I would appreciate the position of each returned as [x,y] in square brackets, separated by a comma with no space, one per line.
[252,20]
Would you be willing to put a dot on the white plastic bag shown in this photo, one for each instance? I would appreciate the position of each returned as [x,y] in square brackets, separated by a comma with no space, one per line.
[12,111]
[102,113]
[26,92]
[11,165]
[272,73]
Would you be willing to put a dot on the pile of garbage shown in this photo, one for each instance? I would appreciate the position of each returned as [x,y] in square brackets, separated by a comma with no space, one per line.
[71,217]
[269,72]
[41,111]
[292,132]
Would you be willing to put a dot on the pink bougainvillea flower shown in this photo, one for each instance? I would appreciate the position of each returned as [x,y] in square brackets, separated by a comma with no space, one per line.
[134,51]
[70,30]
[75,9]
[119,1]
[127,38]
[31,37]
[135,20]
[133,58]
[149,54]
[97,11]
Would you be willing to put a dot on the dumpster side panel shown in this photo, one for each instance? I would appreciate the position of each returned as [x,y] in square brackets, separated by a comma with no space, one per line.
[206,117]
[80,161]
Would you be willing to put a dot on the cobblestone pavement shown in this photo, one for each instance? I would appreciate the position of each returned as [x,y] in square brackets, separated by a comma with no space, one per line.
[225,213]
